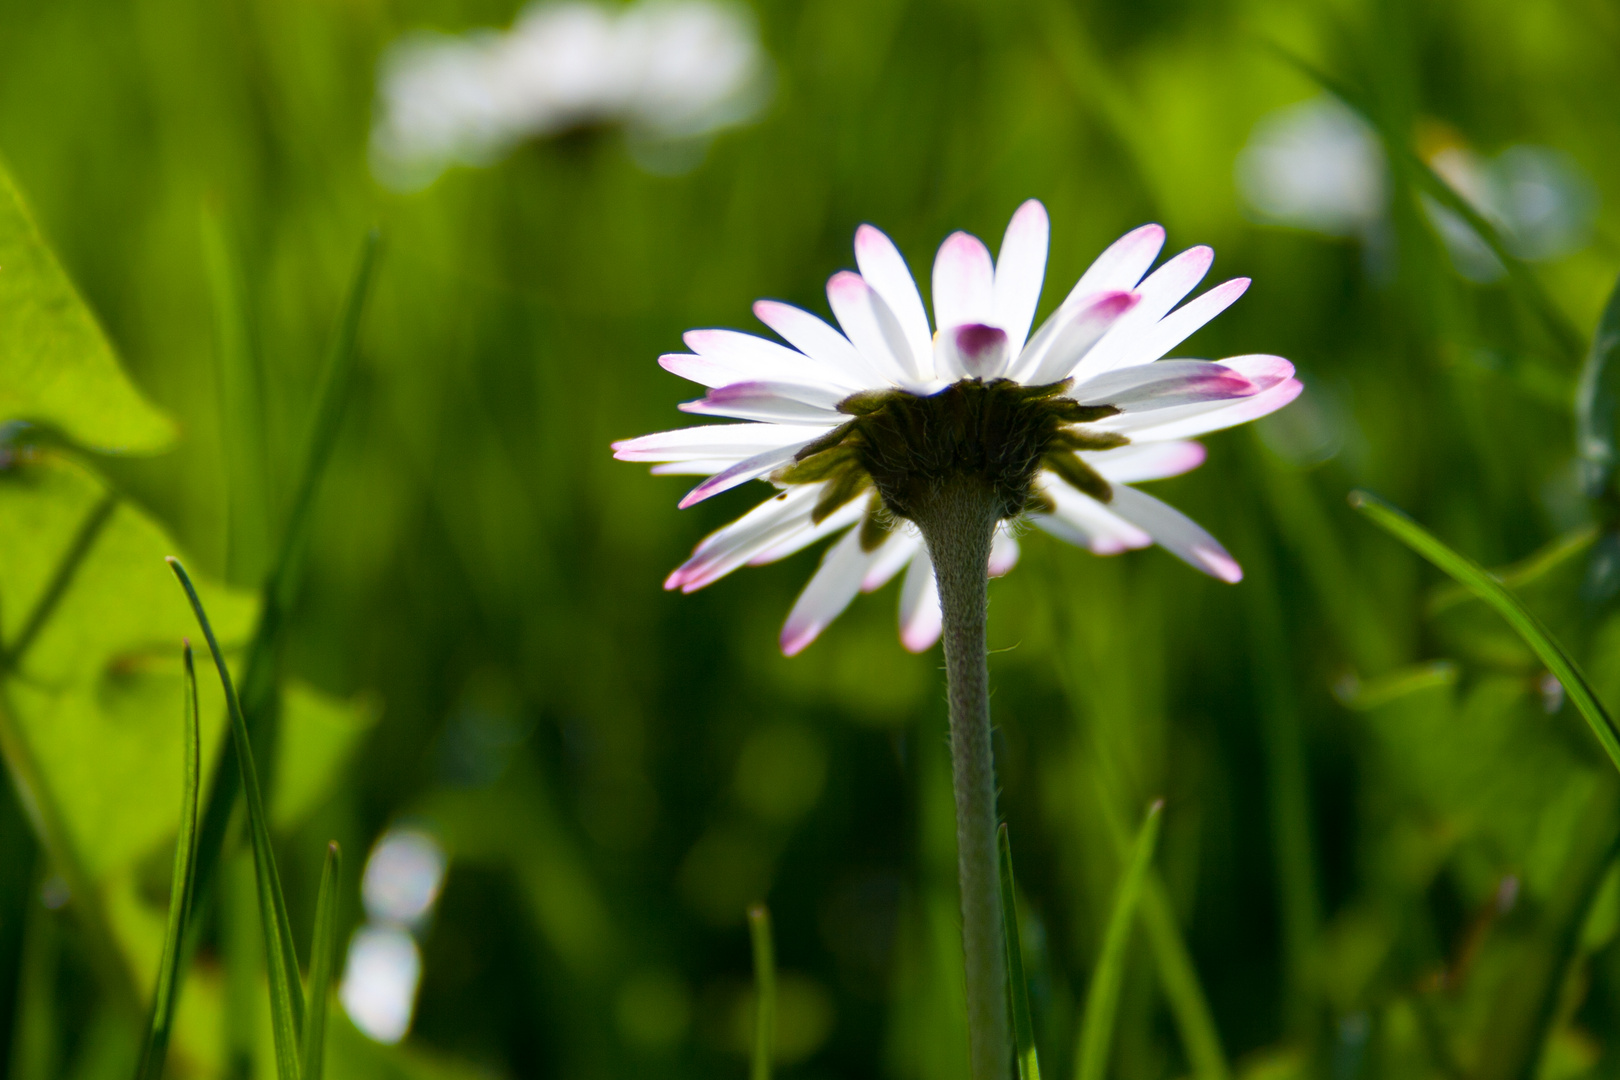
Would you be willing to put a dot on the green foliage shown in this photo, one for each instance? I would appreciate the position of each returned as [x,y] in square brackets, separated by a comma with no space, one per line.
[759,933]
[1102,997]
[1029,1062]
[56,366]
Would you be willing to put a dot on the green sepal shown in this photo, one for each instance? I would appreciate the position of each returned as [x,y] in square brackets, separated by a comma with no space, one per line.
[1078,475]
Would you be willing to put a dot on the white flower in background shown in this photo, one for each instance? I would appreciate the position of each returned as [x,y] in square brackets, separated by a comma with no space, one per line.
[1059,423]
[663,69]
[1317,165]
[402,880]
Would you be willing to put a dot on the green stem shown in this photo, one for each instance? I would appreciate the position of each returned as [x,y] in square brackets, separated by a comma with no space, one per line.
[958,521]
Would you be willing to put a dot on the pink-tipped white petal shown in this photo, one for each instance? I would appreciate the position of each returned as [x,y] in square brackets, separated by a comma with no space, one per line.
[1079,519]
[1122,265]
[755,358]
[772,402]
[808,532]
[885,270]
[698,467]
[1165,385]
[1069,335]
[1182,323]
[718,441]
[829,592]
[964,282]
[727,548]
[892,556]
[1146,461]
[974,351]
[1176,533]
[872,327]
[745,470]
[1162,291]
[1273,373]
[920,615]
[1020,270]
[1003,551]
[817,340]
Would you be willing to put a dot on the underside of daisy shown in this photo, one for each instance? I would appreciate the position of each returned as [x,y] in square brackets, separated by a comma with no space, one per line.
[859,426]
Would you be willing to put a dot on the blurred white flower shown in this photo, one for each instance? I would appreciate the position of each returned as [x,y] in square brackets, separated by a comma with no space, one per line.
[1317,165]
[402,877]
[380,981]
[663,69]
[402,880]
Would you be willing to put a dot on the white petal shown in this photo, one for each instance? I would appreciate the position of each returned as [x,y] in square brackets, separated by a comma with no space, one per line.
[1162,291]
[1020,269]
[885,270]
[1003,551]
[1181,323]
[892,556]
[964,282]
[772,402]
[829,592]
[1165,385]
[971,351]
[1068,335]
[920,615]
[1146,461]
[872,327]
[813,337]
[1085,522]
[809,532]
[1176,533]
[1122,265]
[734,441]
[727,548]
[697,467]
[745,470]
[1186,421]
[756,358]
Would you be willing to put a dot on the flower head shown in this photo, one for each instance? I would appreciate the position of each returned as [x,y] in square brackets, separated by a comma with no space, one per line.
[847,425]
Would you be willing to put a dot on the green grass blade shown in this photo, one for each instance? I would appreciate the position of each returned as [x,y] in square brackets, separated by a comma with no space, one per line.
[321,959]
[241,407]
[258,697]
[759,930]
[167,991]
[1432,184]
[1490,590]
[281,959]
[1029,1063]
[1102,1002]
[1597,401]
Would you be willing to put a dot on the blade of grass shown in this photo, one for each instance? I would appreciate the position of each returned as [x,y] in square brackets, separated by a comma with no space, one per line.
[241,406]
[258,698]
[281,959]
[1597,402]
[321,959]
[1029,1063]
[1490,590]
[1102,1002]
[1432,184]
[759,931]
[167,991]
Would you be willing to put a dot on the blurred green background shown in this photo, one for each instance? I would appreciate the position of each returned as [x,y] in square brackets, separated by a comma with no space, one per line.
[1387,844]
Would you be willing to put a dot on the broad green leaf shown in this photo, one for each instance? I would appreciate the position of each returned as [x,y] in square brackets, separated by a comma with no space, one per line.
[1490,590]
[91,691]
[321,960]
[56,366]
[164,995]
[759,932]
[281,958]
[1597,401]
[1102,1000]
[1029,1064]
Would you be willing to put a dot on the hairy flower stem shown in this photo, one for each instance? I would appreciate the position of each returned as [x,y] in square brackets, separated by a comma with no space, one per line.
[958,520]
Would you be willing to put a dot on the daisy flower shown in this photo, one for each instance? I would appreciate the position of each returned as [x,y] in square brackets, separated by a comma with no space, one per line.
[847,422]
